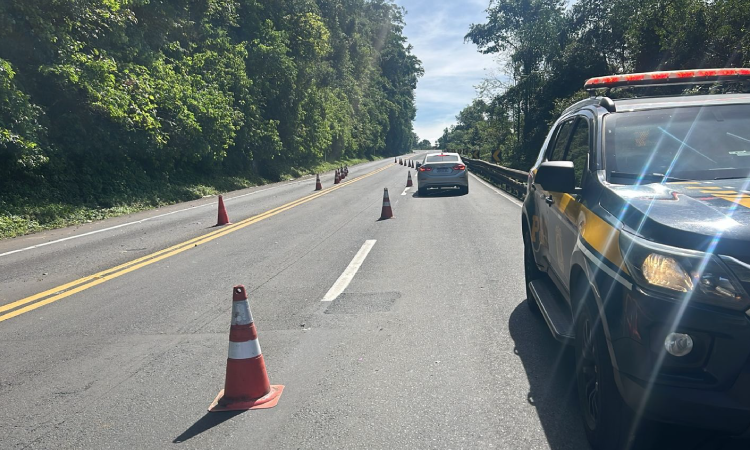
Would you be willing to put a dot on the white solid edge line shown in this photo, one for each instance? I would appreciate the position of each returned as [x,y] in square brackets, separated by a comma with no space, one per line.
[348,274]
[57,241]
[513,200]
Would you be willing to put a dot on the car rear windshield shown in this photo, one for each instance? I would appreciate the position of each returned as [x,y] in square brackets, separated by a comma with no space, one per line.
[442,158]
[690,143]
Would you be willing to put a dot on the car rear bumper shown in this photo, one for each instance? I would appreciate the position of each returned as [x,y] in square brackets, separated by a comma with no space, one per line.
[426,182]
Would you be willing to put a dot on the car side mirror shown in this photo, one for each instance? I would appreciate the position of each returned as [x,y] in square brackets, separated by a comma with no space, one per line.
[556,176]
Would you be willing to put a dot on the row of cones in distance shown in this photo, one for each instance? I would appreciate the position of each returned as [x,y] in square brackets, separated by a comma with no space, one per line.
[403,162]
[387,211]
[338,177]
[340,174]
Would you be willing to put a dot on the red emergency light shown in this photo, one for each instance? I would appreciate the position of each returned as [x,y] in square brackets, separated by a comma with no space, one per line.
[668,77]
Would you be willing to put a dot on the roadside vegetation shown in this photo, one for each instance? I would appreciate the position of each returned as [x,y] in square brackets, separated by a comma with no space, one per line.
[38,210]
[113,106]
[550,48]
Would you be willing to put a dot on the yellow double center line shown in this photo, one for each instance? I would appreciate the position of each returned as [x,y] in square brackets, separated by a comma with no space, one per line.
[60,292]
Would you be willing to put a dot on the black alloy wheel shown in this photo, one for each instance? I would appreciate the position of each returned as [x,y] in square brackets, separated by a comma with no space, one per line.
[609,422]
[590,375]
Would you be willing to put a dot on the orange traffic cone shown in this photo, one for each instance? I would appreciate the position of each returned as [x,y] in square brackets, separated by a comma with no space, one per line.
[346,170]
[387,212]
[395,160]
[318,186]
[343,174]
[408,181]
[400,162]
[246,385]
[223,217]
[336,179]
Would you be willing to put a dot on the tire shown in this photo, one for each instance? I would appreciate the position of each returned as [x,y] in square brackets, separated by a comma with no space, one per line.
[465,190]
[422,191]
[607,419]
[531,272]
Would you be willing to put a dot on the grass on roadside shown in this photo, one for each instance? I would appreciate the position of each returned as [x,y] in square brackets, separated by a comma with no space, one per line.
[43,209]
[324,167]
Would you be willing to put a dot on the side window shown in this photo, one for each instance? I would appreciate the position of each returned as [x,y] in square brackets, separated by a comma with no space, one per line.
[563,133]
[579,148]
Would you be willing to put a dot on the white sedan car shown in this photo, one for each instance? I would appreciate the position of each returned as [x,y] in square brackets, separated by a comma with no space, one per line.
[442,170]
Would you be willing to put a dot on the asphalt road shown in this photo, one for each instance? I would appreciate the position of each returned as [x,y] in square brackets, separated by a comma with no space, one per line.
[429,346]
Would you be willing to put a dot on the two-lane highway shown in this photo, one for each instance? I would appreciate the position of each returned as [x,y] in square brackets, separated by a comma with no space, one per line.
[427,345]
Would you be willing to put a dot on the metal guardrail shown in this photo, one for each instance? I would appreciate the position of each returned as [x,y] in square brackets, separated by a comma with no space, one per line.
[511,180]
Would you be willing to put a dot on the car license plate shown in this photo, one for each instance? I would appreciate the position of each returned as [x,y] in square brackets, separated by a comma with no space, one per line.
[443,170]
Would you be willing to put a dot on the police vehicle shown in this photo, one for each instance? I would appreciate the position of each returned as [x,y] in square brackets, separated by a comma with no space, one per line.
[636,230]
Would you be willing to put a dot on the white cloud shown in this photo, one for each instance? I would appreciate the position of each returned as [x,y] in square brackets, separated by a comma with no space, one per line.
[436,30]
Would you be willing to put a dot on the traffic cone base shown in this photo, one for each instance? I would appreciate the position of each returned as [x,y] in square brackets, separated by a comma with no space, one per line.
[267,401]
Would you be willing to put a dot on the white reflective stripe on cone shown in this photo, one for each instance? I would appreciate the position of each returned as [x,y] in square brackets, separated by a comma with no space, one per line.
[244,350]
[241,314]
[386,203]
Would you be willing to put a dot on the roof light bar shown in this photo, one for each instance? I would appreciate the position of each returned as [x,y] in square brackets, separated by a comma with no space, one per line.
[668,77]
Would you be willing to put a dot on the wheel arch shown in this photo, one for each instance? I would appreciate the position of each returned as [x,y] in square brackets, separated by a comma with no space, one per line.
[582,288]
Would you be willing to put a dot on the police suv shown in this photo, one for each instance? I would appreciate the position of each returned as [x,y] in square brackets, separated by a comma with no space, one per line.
[636,230]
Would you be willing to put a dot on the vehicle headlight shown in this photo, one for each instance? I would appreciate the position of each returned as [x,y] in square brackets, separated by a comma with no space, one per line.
[682,273]
[666,272]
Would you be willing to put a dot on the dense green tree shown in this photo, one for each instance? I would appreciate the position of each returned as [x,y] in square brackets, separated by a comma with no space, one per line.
[424,144]
[118,90]
[550,48]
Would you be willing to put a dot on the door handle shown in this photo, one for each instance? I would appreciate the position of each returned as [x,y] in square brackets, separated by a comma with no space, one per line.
[549,200]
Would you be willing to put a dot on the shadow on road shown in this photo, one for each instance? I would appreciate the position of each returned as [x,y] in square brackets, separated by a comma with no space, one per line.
[205,423]
[439,193]
[550,368]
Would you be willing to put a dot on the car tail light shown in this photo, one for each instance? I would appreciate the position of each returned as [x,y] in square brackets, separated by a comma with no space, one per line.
[459,167]
[424,169]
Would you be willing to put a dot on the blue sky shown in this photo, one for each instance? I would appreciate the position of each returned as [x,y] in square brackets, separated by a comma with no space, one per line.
[452,68]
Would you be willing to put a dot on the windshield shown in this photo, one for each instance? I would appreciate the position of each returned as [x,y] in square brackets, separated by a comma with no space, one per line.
[693,143]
